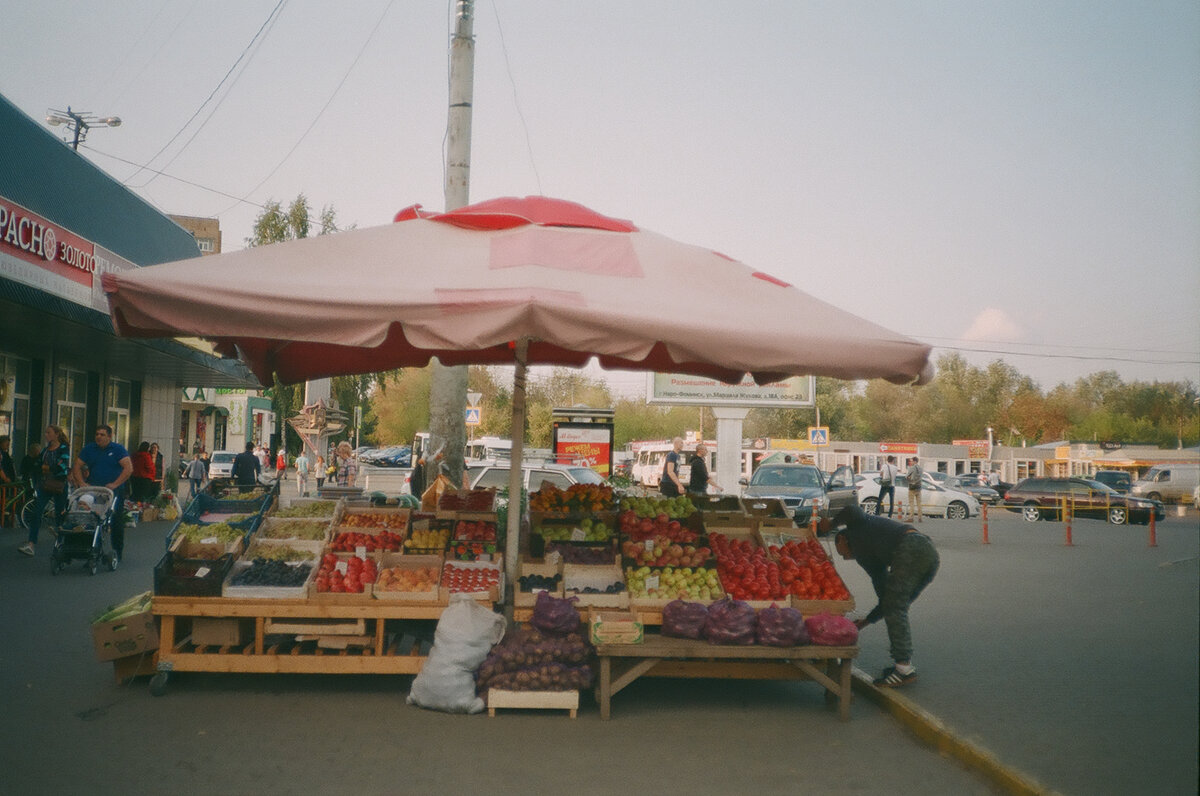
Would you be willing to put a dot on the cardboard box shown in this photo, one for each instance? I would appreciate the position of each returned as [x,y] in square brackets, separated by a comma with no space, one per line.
[183,547]
[390,518]
[614,627]
[221,632]
[130,635]
[404,561]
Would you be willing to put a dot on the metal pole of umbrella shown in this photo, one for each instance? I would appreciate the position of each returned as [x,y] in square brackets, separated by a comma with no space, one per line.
[516,476]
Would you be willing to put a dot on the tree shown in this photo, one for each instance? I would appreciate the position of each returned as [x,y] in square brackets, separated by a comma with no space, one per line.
[275,225]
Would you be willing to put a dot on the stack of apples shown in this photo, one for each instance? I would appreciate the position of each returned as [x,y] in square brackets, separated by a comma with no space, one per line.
[683,583]
[641,528]
[349,541]
[478,531]
[661,551]
[359,573]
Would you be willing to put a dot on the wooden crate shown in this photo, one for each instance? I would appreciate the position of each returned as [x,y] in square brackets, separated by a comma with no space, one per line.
[499,699]
[581,576]
[392,518]
[327,627]
[526,599]
[494,594]
[405,561]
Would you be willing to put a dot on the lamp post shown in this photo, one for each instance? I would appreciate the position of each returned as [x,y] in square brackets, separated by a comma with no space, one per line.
[79,123]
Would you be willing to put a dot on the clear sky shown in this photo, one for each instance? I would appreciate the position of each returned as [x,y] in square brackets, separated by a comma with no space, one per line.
[1016,180]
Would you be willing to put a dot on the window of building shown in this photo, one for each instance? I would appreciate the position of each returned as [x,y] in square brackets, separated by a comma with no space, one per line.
[14,412]
[205,244]
[1026,468]
[70,400]
[119,400]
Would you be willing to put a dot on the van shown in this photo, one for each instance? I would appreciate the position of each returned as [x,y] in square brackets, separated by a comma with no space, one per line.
[1168,482]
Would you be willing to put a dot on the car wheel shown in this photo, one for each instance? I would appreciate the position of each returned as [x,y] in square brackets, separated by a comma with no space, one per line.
[870,505]
[957,511]
[1031,512]
[1118,515]
[1154,496]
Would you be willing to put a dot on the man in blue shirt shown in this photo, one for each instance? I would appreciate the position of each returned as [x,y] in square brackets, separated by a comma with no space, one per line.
[108,464]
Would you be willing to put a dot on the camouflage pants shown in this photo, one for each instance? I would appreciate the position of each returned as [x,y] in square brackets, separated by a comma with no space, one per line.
[913,567]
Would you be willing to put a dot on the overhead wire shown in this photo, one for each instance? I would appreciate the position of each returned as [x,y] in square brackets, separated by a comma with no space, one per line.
[516,100]
[320,113]
[262,28]
[130,50]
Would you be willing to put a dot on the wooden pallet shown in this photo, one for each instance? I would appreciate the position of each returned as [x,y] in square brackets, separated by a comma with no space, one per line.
[533,700]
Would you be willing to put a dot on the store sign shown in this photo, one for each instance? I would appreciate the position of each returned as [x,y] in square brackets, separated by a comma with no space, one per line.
[976,448]
[42,255]
[198,395]
[906,448]
[674,388]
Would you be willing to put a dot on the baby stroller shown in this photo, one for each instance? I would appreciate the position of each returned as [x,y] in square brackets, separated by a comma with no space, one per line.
[85,530]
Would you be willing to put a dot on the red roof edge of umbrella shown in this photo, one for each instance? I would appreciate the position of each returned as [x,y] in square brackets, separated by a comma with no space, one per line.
[506,212]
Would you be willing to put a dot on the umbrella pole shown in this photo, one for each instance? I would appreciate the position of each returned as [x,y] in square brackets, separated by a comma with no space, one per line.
[516,479]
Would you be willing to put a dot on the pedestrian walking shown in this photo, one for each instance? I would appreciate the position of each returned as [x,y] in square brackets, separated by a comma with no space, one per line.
[109,465]
[302,474]
[901,562]
[319,472]
[670,484]
[699,478]
[50,479]
[246,467]
[915,475]
[887,485]
[195,474]
[281,465]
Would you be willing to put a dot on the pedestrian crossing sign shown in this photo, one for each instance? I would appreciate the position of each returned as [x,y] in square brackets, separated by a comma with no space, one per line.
[473,416]
[818,435]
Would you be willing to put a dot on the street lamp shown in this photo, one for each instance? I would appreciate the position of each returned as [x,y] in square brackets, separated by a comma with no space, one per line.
[79,123]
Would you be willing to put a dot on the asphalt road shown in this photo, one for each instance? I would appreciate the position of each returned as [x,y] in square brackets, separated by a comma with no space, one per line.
[1077,665]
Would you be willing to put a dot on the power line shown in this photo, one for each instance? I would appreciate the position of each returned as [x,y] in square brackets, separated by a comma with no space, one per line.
[211,95]
[1062,345]
[516,101]
[320,113]
[1086,357]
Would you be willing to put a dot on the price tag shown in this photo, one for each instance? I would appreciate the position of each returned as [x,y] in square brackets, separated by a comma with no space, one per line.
[209,540]
[652,582]
[578,535]
[649,548]
[342,566]
[361,551]
[537,589]
[202,572]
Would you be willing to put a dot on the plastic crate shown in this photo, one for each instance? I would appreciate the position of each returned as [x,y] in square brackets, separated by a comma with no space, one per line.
[207,584]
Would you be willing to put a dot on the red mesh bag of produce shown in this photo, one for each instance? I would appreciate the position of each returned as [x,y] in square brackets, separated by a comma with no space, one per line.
[730,622]
[831,631]
[555,614]
[780,627]
[683,619]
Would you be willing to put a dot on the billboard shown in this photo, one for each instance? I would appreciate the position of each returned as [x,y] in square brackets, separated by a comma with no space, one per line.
[676,388]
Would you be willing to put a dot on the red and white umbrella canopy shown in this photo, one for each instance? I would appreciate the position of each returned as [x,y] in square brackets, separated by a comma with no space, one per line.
[463,286]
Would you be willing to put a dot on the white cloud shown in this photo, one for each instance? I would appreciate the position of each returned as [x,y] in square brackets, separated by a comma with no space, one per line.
[994,325]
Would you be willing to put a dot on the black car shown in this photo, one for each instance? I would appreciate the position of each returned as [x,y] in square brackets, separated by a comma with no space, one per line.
[801,487]
[1117,480]
[1042,499]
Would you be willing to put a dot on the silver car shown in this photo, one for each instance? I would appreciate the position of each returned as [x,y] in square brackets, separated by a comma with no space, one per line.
[936,501]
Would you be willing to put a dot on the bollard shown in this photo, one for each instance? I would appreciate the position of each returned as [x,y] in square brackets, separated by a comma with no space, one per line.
[983,509]
[1153,530]
[813,523]
[1067,519]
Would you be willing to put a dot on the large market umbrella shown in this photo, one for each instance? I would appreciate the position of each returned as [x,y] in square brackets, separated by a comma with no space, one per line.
[533,281]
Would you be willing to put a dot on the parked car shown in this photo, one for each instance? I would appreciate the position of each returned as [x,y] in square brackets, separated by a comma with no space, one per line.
[220,465]
[1042,499]
[1117,480]
[802,488]
[970,484]
[494,474]
[1168,481]
[936,500]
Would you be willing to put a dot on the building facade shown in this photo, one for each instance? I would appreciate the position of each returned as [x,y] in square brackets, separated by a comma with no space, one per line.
[63,224]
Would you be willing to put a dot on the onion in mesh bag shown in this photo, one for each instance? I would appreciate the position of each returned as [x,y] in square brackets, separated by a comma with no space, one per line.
[683,619]
[780,627]
[730,622]
[554,614]
[831,631]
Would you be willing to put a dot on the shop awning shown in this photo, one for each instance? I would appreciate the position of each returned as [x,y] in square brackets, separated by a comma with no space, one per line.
[219,411]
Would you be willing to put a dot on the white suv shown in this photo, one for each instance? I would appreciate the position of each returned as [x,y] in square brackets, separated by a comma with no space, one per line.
[489,474]
[220,465]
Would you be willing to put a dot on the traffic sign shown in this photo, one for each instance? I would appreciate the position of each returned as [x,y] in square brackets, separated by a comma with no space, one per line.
[818,435]
[474,414]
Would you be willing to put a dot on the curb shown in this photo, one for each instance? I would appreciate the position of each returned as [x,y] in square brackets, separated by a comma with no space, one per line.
[937,734]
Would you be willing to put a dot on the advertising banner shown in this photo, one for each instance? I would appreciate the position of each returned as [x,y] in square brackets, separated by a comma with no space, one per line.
[674,388]
[589,445]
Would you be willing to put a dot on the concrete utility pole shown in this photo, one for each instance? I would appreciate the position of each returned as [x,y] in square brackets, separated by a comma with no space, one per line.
[448,385]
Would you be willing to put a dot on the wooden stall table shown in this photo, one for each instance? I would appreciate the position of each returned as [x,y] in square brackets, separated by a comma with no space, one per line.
[662,656]
[254,655]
